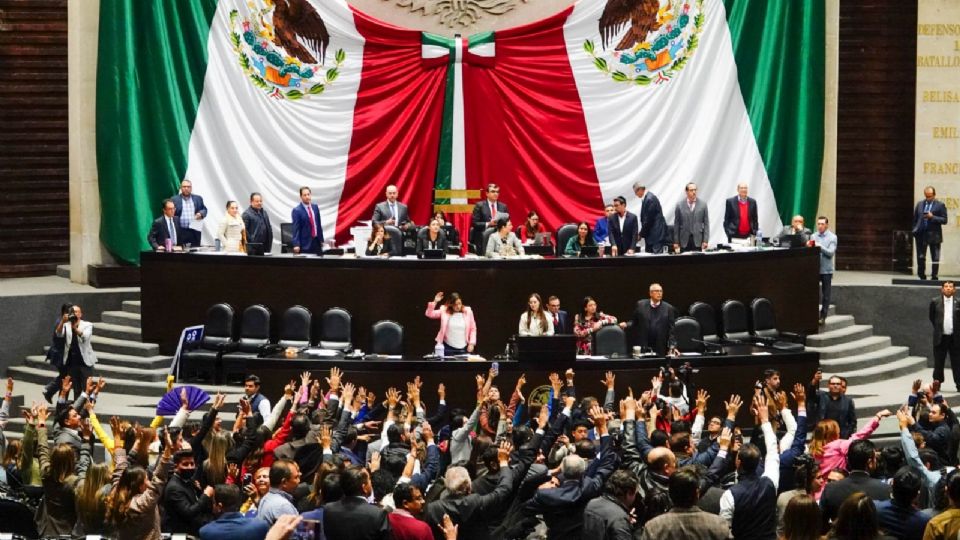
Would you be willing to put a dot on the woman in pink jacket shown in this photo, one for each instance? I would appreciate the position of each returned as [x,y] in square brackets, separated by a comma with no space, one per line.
[458,330]
[830,450]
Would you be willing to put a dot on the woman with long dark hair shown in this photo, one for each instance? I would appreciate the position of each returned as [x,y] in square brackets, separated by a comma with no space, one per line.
[534,321]
[60,473]
[801,519]
[378,245]
[856,519]
[458,329]
[587,323]
[583,238]
[132,504]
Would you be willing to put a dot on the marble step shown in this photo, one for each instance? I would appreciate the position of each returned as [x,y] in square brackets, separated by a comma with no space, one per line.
[851,348]
[116,331]
[836,322]
[842,335]
[109,372]
[122,318]
[888,370]
[860,361]
[123,346]
[131,306]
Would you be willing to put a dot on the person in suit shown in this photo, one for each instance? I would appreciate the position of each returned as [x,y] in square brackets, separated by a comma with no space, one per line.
[189,207]
[945,316]
[691,223]
[653,227]
[485,214]
[861,461]
[559,317]
[164,227]
[257,223]
[392,212]
[78,355]
[796,227]
[431,237]
[929,217]
[600,232]
[623,229]
[186,508]
[458,328]
[826,240]
[230,523]
[503,243]
[685,519]
[740,217]
[653,320]
[352,517]
[307,231]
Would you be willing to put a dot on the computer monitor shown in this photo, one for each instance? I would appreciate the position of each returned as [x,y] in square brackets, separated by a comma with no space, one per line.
[433,254]
[589,251]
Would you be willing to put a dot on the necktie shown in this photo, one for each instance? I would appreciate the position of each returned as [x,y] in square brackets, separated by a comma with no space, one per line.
[493,211]
[556,320]
[313,224]
[171,232]
[393,211]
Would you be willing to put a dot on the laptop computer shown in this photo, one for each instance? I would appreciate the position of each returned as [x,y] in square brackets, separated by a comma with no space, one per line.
[791,241]
[433,254]
[255,248]
[589,251]
[542,239]
[558,349]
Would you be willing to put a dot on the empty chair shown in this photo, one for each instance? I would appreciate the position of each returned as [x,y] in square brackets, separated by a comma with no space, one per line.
[335,329]
[564,234]
[386,337]
[734,316]
[764,325]
[254,335]
[610,341]
[295,327]
[217,339]
[286,238]
[686,330]
[704,314]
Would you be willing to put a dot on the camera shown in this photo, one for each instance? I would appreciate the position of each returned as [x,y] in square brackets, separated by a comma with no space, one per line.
[72,315]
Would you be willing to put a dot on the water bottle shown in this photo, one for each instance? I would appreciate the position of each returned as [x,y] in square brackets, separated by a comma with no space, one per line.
[168,245]
[759,239]
[216,244]
[438,350]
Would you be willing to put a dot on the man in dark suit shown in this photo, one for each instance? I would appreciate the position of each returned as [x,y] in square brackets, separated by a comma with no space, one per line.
[352,517]
[740,217]
[623,229]
[929,217]
[945,316]
[653,228]
[653,320]
[186,508]
[165,227]
[392,211]
[230,523]
[257,223]
[485,214]
[307,231]
[691,223]
[796,227]
[561,321]
[189,207]
[861,461]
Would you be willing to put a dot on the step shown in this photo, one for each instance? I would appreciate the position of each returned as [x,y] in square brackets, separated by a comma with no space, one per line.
[836,322]
[123,346]
[111,373]
[860,346]
[38,375]
[860,361]
[832,310]
[131,306]
[126,360]
[63,270]
[116,331]
[903,366]
[843,335]
[122,318]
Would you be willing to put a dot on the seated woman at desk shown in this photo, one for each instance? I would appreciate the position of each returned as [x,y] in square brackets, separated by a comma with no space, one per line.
[453,235]
[378,245]
[530,228]
[458,330]
[232,234]
[583,238]
[503,243]
[587,323]
[534,321]
[431,237]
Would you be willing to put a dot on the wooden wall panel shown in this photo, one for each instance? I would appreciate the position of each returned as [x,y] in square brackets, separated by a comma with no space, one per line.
[34,199]
[875,129]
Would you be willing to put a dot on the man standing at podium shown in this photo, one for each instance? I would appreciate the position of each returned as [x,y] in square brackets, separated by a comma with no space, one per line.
[392,212]
[485,214]
[929,217]
[189,208]
[740,217]
[307,232]
[653,228]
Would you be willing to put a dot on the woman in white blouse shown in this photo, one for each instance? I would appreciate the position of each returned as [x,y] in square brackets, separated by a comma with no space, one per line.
[232,235]
[534,321]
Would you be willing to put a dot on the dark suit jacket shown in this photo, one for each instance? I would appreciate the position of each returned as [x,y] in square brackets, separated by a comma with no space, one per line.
[837,492]
[352,518]
[381,213]
[233,526]
[627,238]
[469,512]
[936,317]
[565,327]
[259,230]
[159,233]
[423,243]
[198,206]
[653,227]
[731,217]
[640,323]
[481,214]
[686,223]
[301,228]
[186,510]
[934,231]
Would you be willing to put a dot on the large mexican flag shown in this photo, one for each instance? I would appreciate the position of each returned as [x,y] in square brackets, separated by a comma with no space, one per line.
[564,114]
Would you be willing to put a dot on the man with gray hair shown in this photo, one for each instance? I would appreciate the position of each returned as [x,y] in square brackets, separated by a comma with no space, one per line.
[740,218]
[653,228]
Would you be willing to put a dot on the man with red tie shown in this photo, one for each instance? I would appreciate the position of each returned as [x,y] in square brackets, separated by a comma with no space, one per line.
[561,322]
[485,214]
[307,232]
[740,217]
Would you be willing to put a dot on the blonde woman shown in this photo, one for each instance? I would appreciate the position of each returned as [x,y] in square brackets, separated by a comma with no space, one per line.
[91,502]
[60,473]
[232,234]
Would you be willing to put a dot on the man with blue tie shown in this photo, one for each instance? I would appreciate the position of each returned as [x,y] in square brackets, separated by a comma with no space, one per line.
[189,208]
[307,232]
[165,228]
[929,217]
[392,211]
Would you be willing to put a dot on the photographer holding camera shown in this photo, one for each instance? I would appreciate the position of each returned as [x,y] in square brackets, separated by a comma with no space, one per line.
[78,355]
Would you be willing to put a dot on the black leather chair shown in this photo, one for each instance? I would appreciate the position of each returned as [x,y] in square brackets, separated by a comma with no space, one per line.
[564,234]
[218,338]
[295,327]
[685,331]
[386,337]
[481,237]
[286,238]
[735,324]
[395,243]
[705,315]
[254,335]
[335,329]
[610,341]
[486,238]
[764,323]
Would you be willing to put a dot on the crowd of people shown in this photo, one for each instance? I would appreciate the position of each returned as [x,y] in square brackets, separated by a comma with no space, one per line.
[331,460]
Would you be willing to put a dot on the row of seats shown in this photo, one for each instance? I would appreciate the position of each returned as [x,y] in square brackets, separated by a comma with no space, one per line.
[229,341]
[395,244]
[699,327]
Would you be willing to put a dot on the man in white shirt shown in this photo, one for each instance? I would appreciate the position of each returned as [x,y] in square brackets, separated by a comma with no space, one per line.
[944,316]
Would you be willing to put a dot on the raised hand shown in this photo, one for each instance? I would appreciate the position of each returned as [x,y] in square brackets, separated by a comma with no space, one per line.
[245,407]
[184,403]
[41,415]
[374,462]
[733,406]
[86,432]
[503,452]
[91,384]
[393,397]
[568,375]
[781,401]
[438,297]
[916,385]
[305,378]
[9,385]
[348,392]
[543,417]
[448,528]
[760,404]
[903,417]
[100,384]
[599,417]
[334,379]
[521,381]
[65,385]
[426,431]
[702,397]
[816,378]
[442,391]
[556,384]
[799,395]
[326,437]
[480,382]
[288,389]
[115,426]
[28,414]
[218,401]
[609,379]
[883,414]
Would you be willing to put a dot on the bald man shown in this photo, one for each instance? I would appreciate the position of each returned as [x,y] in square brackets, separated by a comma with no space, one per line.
[740,218]
[796,226]
[392,211]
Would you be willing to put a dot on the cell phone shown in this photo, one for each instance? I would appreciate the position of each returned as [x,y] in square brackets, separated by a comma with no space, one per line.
[495,367]
[247,478]
[308,529]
